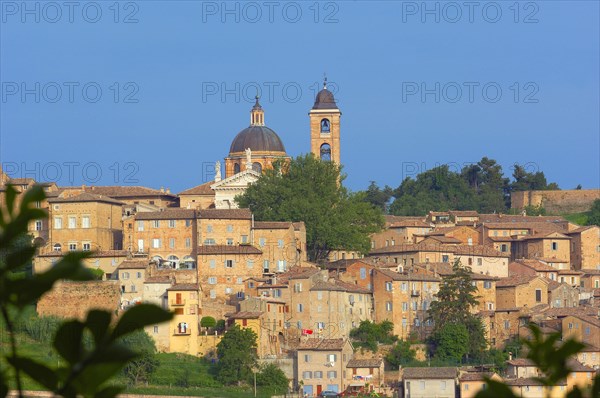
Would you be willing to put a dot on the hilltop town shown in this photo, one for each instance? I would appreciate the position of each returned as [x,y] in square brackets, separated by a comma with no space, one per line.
[199,255]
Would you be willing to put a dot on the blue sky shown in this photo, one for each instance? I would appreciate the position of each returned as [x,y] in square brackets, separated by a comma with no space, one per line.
[417,87]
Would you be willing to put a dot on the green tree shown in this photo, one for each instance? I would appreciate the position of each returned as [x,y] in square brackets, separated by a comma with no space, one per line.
[378,197]
[141,368]
[594,217]
[237,355]
[451,342]
[438,189]
[310,190]
[370,334]
[526,181]
[208,322]
[451,315]
[400,354]
[91,350]
[272,378]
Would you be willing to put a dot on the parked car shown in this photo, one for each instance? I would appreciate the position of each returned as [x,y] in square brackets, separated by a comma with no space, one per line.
[328,394]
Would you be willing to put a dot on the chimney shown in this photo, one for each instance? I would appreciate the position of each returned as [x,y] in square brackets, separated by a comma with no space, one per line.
[168,190]
[162,189]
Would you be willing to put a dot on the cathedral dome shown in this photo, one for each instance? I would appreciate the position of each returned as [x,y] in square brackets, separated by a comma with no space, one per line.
[325,99]
[258,139]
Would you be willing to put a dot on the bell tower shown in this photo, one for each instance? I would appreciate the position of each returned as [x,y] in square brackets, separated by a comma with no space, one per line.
[325,126]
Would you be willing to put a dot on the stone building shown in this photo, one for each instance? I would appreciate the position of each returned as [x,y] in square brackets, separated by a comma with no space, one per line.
[585,248]
[520,291]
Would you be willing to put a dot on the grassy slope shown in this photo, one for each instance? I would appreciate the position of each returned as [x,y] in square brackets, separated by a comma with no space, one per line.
[577,218]
[177,374]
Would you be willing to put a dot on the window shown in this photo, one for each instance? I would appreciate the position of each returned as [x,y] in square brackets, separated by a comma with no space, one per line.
[318,374]
[38,225]
[87,247]
[140,225]
[72,222]
[155,329]
[188,242]
[554,245]
[325,152]
[490,306]
[331,374]
[262,241]
[249,263]
[307,374]
[244,239]
[319,295]
[228,290]
[125,275]
[388,286]
[239,280]
[72,246]
[213,294]
[138,275]
[57,222]
[507,325]
[229,228]
[503,248]
[298,287]
[479,261]
[265,265]
[403,286]
[422,385]
[445,258]
[229,241]
[228,263]
[209,242]
[209,228]
[442,385]
[172,243]
[188,223]
[388,306]
[538,295]
[470,261]
[404,306]
[171,223]
[325,126]
[155,243]
[363,273]
[300,307]
[212,280]
[331,358]
[156,223]
[306,358]
[487,284]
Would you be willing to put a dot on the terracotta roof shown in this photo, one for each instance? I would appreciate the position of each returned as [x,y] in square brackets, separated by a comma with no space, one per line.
[569,272]
[509,218]
[158,279]
[20,181]
[534,264]
[167,214]
[545,235]
[515,280]
[202,189]
[299,273]
[444,239]
[105,253]
[581,229]
[228,249]
[475,376]
[464,213]
[406,277]
[338,285]
[551,260]
[520,362]
[408,224]
[430,373]
[318,344]
[413,247]
[117,191]
[133,264]
[365,363]
[446,269]
[298,225]
[577,366]
[479,250]
[272,224]
[345,263]
[85,197]
[227,214]
[246,315]
[184,286]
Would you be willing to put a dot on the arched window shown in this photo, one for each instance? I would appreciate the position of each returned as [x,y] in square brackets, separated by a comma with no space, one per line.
[188,263]
[57,247]
[174,260]
[257,167]
[157,259]
[326,152]
[236,168]
[325,126]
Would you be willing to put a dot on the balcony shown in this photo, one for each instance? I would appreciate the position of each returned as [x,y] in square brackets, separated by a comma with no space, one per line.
[182,332]
[415,293]
[177,303]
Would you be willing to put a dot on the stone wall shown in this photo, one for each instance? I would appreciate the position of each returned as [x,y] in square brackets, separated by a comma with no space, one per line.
[75,299]
[556,202]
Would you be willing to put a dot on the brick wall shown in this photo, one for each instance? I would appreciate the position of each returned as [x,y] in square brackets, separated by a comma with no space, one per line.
[75,299]
[569,201]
